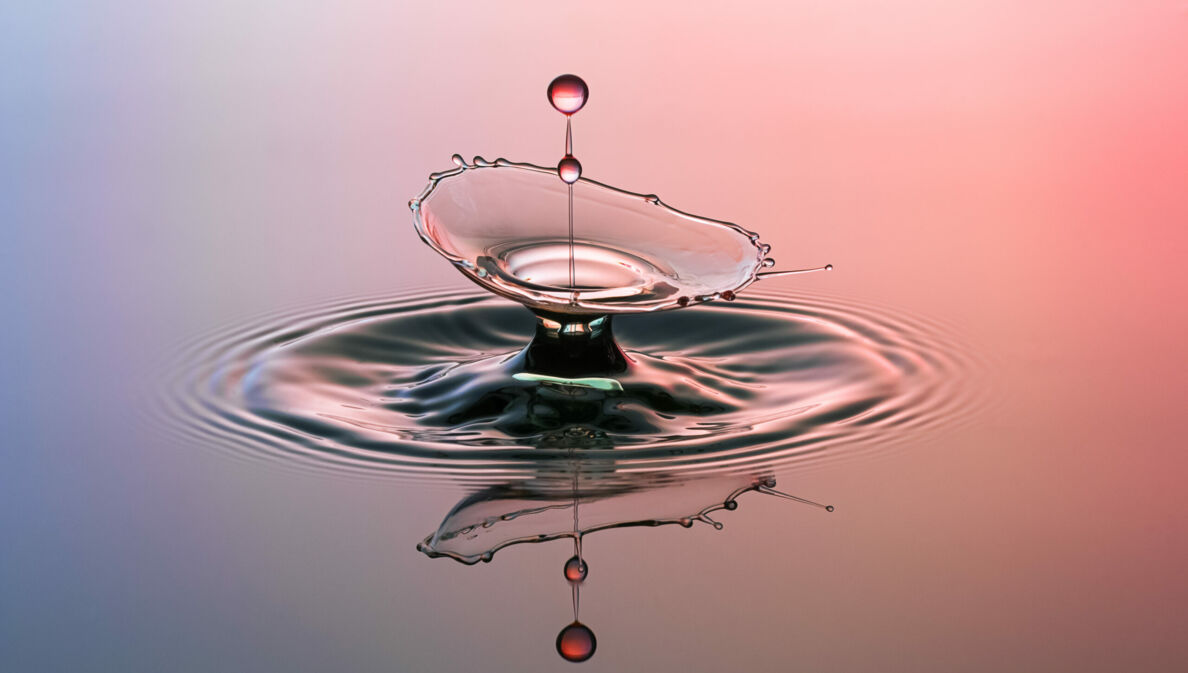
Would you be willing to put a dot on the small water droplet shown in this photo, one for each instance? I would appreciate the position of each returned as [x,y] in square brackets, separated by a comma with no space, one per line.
[764,249]
[829,267]
[728,295]
[828,508]
[731,505]
[568,93]
[576,642]
[569,168]
[458,160]
[576,569]
[769,262]
[413,204]
[683,301]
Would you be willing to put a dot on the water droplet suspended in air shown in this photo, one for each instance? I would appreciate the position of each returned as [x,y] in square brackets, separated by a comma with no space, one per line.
[576,642]
[829,267]
[828,508]
[576,569]
[769,262]
[569,168]
[568,93]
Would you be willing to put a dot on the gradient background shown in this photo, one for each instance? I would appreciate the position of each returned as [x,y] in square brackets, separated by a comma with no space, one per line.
[1018,169]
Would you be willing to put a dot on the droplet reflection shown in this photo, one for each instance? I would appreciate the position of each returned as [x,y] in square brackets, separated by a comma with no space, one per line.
[576,642]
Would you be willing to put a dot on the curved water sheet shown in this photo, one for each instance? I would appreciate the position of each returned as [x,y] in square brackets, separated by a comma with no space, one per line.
[424,386]
[555,506]
[503,225]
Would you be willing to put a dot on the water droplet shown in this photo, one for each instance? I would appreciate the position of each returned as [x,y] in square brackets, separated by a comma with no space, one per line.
[828,508]
[569,168]
[576,569]
[413,204]
[769,262]
[683,301]
[576,642]
[764,249]
[458,160]
[731,505]
[568,93]
[728,295]
[829,267]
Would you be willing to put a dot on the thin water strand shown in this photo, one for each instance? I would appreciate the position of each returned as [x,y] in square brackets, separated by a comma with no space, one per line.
[763,488]
[791,272]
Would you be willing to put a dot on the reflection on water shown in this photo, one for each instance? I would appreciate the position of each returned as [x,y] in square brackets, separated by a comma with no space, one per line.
[655,420]
[441,386]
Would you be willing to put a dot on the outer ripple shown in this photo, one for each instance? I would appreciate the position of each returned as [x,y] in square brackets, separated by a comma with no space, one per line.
[421,386]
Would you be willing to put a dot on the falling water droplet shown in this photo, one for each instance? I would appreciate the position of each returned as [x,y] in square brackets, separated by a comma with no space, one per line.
[576,569]
[569,168]
[769,262]
[576,642]
[568,93]
[828,508]
[458,160]
[829,267]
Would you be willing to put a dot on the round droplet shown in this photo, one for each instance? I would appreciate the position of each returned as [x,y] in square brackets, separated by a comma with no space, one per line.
[829,267]
[576,569]
[568,93]
[828,508]
[458,160]
[576,642]
[569,168]
[731,505]
[728,295]
[769,262]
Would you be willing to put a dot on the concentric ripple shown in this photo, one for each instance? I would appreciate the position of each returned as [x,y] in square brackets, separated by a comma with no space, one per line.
[421,386]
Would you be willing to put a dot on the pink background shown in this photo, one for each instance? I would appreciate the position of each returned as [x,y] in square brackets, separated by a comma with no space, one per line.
[1016,169]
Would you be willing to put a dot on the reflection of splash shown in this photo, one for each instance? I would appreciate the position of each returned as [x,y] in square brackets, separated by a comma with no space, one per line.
[574,501]
[541,510]
[531,511]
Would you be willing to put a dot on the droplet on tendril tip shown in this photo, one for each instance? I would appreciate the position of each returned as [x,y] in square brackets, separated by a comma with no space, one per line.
[568,93]
[569,168]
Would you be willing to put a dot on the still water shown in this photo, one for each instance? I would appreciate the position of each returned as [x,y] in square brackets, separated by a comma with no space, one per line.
[205,209]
